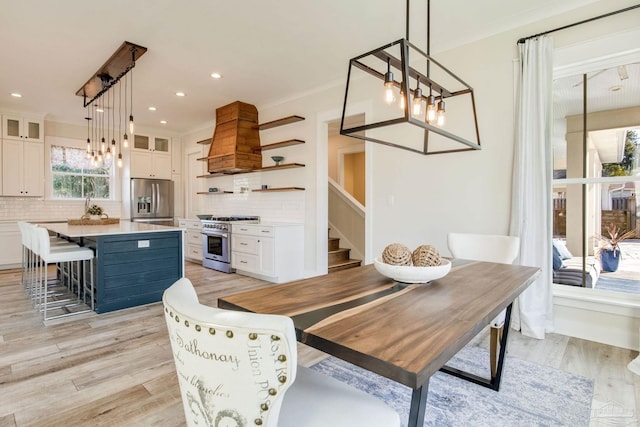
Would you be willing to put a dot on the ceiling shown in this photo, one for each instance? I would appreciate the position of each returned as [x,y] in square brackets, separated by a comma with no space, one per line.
[266,51]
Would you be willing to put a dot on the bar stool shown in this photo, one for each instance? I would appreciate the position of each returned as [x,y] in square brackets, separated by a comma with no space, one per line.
[63,255]
[30,263]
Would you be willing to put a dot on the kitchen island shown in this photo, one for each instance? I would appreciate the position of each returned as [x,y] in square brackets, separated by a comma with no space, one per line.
[135,262]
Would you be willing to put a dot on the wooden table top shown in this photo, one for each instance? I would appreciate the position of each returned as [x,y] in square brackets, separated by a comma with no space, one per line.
[403,332]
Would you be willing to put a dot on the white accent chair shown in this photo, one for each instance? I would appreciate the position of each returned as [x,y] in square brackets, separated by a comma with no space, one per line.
[234,369]
[490,248]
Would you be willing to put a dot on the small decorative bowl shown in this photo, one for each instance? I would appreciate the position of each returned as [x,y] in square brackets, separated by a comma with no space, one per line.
[277,159]
[412,274]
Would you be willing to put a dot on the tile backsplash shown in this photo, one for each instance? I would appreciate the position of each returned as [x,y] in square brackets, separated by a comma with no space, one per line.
[272,206]
[28,209]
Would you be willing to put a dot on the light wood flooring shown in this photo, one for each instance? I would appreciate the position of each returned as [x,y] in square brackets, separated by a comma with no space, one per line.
[116,369]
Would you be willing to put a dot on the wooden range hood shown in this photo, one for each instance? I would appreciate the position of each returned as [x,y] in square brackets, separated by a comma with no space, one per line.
[235,146]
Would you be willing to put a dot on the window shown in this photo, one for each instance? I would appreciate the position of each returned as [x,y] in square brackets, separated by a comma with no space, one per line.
[597,175]
[75,177]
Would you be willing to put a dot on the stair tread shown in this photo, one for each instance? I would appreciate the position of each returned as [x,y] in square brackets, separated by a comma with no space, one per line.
[335,251]
[345,262]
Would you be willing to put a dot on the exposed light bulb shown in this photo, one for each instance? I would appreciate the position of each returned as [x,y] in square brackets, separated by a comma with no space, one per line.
[103,145]
[441,111]
[88,146]
[125,141]
[108,154]
[417,100]
[389,96]
[119,160]
[431,109]
[401,104]
[417,107]
[131,124]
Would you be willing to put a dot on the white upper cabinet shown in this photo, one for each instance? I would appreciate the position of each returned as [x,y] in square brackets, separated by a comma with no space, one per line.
[155,144]
[22,168]
[151,157]
[23,128]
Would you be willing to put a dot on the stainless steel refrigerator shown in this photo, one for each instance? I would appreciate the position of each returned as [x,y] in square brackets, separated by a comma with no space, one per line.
[152,201]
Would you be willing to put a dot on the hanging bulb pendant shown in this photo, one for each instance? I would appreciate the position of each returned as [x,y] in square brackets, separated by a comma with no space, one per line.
[119,160]
[431,109]
[125,141]
[441,111]
[417,100]
[389,95]
[131,124]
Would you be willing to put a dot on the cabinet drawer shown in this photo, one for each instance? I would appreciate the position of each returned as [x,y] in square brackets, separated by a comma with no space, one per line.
[194,225]
[253,230]
[194,237]
[244,261]
[194,252]
[245,244]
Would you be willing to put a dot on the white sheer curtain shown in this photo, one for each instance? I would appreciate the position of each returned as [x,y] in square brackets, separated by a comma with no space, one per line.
[532,173]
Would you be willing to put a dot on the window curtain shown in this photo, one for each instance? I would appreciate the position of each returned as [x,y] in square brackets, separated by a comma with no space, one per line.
[532,173]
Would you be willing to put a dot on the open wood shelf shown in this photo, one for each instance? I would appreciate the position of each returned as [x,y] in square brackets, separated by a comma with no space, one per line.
[265,169]
[285,166]
[278,189]
[214,192]
[204,141]
[280,122]
[280,144]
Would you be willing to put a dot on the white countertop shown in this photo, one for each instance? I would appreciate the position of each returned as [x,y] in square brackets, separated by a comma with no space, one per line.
[124,227]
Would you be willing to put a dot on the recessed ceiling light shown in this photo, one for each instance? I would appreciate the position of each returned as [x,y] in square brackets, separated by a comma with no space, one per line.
[164,122]
[180,94]
[615,88]
[99,110]
[16,95]
[216,75]
[152,108]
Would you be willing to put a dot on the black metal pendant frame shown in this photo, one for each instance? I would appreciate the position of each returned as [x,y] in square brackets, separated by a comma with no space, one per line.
[117,66]
[425,79]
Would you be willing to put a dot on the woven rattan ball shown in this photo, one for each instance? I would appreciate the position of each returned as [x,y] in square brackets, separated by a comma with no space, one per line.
[425,256]
[396,254]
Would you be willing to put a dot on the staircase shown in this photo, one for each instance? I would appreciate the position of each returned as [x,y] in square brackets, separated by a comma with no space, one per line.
[339,258]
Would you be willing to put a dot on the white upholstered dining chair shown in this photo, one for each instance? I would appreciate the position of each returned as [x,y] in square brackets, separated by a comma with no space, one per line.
[240,369]
[490,248]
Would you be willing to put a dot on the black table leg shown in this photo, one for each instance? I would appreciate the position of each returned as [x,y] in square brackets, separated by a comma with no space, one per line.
[493,383]
[418,406]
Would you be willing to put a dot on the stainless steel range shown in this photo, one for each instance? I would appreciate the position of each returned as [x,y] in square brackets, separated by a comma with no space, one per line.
[216,240]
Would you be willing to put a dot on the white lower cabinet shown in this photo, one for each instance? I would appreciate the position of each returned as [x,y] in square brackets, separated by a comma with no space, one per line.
[192,240]
[270,252]
[11,247]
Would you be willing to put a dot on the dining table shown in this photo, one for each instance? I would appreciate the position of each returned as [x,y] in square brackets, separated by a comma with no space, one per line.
[404,332]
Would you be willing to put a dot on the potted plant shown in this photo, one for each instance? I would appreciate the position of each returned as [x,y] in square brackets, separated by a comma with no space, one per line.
[95,212]
[610,252]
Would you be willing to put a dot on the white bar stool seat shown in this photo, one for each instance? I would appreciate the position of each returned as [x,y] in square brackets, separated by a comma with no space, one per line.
[61,255]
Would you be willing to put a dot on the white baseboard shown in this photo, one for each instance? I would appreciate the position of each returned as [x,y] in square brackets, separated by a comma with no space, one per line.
[605,317]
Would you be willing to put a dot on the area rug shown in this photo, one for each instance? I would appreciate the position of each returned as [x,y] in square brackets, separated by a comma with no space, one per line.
[618,285]
[530,394]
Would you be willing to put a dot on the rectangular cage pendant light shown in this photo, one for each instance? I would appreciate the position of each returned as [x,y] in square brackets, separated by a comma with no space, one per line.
[416,104]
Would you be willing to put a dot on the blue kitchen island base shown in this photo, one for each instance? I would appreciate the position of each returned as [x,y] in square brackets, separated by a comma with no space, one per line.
[135,269]
[134,261]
